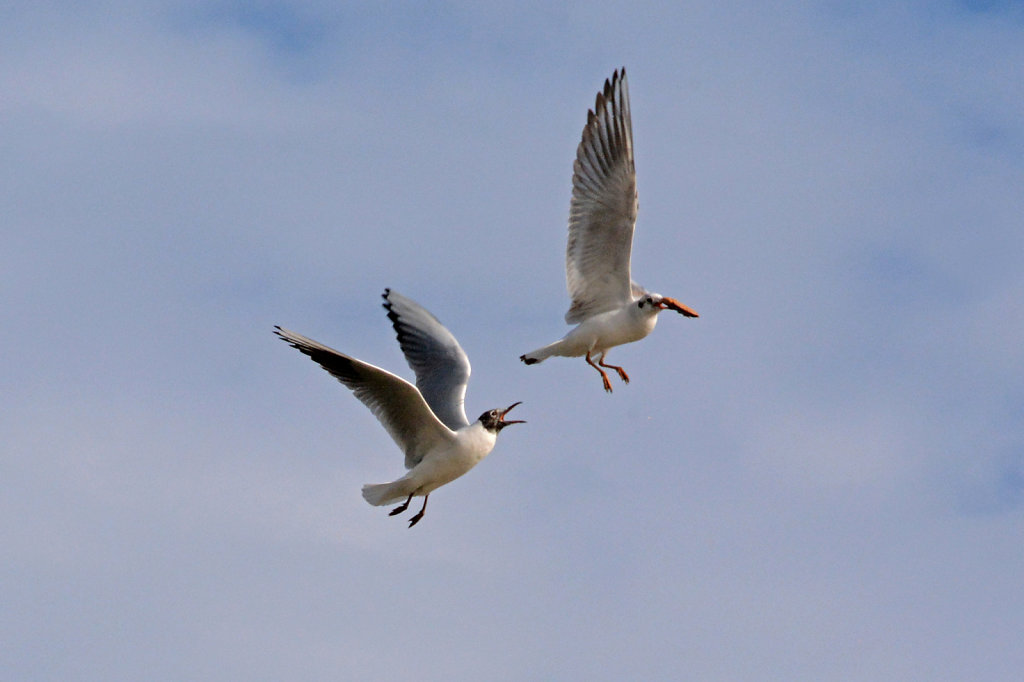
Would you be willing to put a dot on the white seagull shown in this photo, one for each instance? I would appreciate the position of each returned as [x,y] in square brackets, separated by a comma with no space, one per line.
[428,420]
[609,308]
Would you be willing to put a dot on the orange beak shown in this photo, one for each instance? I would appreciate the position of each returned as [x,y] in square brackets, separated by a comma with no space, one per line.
[673,304]
[508,409]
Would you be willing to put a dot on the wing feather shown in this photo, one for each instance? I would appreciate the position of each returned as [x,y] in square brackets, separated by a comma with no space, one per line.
[393,401]
[602,213]
[441,366]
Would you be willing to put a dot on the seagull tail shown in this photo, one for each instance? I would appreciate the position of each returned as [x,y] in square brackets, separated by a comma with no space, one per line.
[541,354]
[379,494]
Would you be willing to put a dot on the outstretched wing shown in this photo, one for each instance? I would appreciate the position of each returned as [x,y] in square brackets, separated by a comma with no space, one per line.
[441,366]
[394,401]
[602,213]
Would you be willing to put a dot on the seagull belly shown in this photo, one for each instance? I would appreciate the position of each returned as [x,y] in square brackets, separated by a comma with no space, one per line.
[614,328]
[472,443]
[599,333]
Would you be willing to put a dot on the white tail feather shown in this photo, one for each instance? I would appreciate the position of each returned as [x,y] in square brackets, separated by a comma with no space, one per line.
[380,494]
[541,354]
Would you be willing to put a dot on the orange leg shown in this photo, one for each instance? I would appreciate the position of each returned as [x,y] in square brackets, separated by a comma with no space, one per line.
[622,372]
[604,377]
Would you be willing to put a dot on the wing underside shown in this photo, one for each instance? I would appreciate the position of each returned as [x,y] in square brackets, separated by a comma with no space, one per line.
[603,210]
[441,366]
[395,402]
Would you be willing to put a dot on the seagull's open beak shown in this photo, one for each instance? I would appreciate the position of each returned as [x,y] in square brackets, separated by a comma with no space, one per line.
[673,304]
[506,411]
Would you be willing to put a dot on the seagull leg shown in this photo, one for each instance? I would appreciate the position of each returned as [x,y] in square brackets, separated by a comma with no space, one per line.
[402,507]
[604,377]
[416,519]
[622,372]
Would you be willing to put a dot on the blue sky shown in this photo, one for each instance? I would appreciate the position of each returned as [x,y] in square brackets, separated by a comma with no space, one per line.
[821,478]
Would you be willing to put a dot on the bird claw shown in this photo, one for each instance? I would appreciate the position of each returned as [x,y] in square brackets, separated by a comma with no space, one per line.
[607,384]
[416,519]
[399,509]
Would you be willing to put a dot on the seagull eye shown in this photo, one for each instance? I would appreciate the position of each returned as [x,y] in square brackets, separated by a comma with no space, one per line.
[640,305]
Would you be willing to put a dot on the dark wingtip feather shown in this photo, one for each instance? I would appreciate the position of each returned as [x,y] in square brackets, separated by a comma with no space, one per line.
[400,332]
[294,344]
[392,315]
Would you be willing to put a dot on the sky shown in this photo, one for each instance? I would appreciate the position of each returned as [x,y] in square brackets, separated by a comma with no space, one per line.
[821,478]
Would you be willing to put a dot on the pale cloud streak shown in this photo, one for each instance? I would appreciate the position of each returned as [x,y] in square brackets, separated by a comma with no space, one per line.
[820,478]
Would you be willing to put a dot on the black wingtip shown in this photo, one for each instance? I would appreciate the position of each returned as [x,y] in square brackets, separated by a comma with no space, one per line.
[387,305]
[393,317]
[619,76]
[279,332]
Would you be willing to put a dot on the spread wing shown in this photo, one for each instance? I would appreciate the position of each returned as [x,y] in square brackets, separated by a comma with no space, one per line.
[394,401]
[441,366]
[602,213]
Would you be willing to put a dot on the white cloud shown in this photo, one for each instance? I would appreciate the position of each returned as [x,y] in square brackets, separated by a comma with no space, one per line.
[818,478]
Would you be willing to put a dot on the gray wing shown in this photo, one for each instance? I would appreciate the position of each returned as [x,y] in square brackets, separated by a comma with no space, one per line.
[394,401]
[441,366]
[602,213]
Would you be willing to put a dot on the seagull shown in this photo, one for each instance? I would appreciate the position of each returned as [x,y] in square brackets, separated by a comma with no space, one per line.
[608,307]
[428,420]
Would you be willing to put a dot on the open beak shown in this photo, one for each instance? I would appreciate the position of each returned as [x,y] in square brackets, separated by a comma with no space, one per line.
[510,421]
[673,304]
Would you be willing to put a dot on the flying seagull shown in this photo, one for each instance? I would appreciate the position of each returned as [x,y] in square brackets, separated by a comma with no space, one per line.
[428,420]
[608,307]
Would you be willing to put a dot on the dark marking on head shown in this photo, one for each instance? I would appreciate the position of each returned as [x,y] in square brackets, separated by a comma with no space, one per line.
[494,420]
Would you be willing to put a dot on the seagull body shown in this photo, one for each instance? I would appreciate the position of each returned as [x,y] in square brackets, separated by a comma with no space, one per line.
[428,420]
[609,308]
[454,454]
[600,332]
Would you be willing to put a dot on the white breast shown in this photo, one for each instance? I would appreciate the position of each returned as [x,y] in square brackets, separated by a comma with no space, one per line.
[472,443]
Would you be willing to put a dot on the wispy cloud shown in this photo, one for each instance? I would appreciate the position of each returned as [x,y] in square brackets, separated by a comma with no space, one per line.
[823,472]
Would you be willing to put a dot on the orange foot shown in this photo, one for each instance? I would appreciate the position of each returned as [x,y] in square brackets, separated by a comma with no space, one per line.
[622,372]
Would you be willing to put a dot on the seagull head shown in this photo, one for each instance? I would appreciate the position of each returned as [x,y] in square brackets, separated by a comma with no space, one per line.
[494,420]
[657,303]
